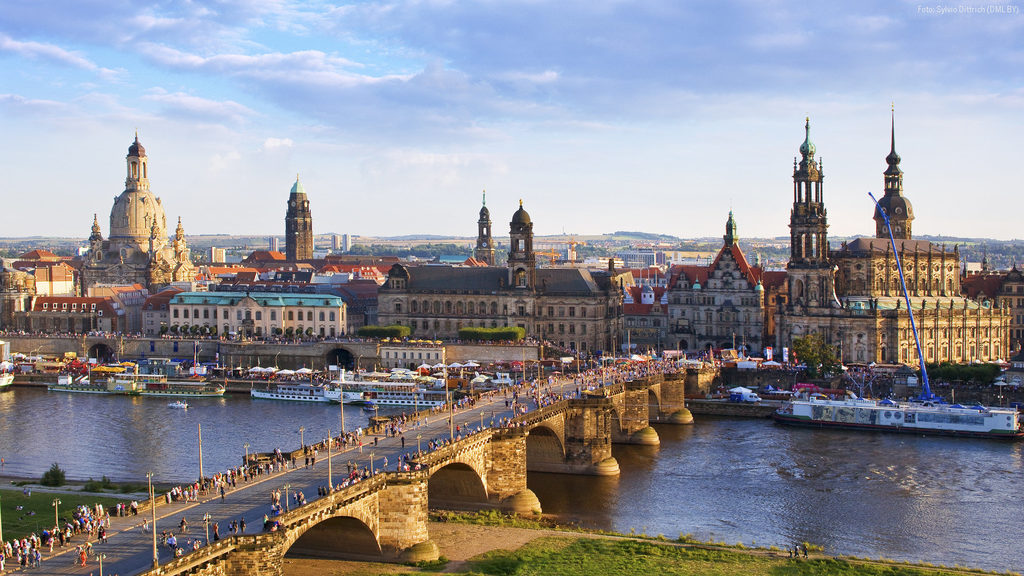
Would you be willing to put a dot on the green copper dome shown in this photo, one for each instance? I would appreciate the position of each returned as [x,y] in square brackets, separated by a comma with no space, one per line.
[807,148]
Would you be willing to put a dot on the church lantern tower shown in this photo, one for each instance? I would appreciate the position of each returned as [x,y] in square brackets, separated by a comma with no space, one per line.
[484,251]
[298,225]
[522,262]
[809,271]
[896,206]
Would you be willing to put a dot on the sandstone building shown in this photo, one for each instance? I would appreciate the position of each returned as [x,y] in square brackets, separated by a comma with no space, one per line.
[853,296]
[138,249]
[570,307]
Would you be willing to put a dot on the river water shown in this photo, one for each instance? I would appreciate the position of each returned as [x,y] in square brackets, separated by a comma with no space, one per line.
[941,500]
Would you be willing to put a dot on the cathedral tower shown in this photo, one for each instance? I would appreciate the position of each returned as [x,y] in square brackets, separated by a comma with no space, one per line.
[522,262]
[298,225]
[484,245]
[730,237]
[896,206]
[809,271]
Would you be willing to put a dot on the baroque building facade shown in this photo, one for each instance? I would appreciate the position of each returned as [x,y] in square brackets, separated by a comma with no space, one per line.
[853,296]
[138,249]
[572,308]
[298,225]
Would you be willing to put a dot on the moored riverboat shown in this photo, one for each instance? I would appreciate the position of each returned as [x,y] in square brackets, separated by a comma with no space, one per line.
[928,418]
[294,392]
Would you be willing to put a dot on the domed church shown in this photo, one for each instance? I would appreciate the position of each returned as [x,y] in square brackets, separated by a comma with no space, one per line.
[138,249]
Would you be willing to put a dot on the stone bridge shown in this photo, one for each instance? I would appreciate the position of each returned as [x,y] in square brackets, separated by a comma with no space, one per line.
[384,518]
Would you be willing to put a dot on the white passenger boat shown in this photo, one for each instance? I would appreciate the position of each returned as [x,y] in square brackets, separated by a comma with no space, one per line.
[396,388]
[295,392]
[906,417]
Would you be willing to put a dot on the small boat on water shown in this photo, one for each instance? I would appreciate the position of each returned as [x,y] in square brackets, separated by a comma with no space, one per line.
[369,407]
[179,404]
[6,376]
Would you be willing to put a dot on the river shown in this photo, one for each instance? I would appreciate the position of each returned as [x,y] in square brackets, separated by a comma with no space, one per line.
[941,500]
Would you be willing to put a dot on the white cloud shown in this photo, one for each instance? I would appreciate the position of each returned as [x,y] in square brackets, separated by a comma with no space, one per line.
[181,104]
[277,143]
[50,52]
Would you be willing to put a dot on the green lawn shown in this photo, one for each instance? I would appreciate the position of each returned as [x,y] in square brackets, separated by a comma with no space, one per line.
[571,556]
[36,511]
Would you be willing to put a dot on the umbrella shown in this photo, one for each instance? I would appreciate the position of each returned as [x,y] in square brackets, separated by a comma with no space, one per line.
[286,372]
[438,366]
[471,364]
[303,371]
[256,369]
[424,367]
[455,365]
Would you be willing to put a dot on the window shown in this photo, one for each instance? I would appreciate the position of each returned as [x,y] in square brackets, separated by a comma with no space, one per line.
[195,313]
[238,314]
[273,315]
[398,307]
[332,317]
[572,311]
[206,313]
[45,305]
[322,316]
[551,310]
[174,313]
[309,316]
[291,315]
[184,311]
[259,315]
[225,315]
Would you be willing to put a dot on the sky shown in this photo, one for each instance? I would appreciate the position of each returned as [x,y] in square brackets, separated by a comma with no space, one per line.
[600,115]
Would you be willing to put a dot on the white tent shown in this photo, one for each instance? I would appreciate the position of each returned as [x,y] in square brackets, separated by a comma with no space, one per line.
[455,365]
[471,364]
[257,369]
[424,367]
[286,372]
[303,371]
[438,366]
[740,390]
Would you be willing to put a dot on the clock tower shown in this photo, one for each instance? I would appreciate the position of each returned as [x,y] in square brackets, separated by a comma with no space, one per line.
[484,243]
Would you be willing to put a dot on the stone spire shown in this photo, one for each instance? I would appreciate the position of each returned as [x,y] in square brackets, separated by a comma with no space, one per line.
[896,206]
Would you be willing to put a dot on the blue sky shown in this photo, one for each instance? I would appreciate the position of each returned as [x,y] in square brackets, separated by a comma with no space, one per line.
[600,115]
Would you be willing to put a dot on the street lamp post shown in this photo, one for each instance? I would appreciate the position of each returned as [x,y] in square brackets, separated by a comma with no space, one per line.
[152,508]
[56,516]
[1,523]
[246,447]
[201,482]
[371,463]
[418,449]
[206,523]
[286,505]
[330,471]
[302,436]
[100,557]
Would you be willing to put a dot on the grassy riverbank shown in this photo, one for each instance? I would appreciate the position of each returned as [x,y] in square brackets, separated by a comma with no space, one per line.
[489,544]
[23,514]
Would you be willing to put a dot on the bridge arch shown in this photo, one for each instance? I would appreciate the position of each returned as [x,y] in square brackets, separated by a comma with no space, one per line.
[544,449]
[101,352]
[337,537]
[653,401]
[456,486]
[340,357]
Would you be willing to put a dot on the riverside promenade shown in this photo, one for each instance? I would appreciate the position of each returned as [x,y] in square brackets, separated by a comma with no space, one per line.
[129,549]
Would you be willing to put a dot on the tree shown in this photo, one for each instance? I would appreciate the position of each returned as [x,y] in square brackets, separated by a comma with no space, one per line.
[54,476]
[163,329]
[278,331]
[309,331]
[289,331]
[174,329]
[820,357]
[393,331]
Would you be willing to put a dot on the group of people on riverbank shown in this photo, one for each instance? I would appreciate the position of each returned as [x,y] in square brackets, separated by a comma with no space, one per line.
[27,552]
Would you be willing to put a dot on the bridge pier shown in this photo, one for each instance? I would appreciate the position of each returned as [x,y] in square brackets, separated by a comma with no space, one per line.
[673,400]
[633,407]
[588,438]
[506,480]
[403,520]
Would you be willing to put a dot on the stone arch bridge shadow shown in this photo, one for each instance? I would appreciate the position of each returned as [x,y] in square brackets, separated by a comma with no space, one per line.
[457,486]
[337,538]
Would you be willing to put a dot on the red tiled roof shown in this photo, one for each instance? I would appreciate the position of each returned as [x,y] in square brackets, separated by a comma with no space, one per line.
[773,278]
[975,285]
[161,299]
[40,255]
[81,303]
